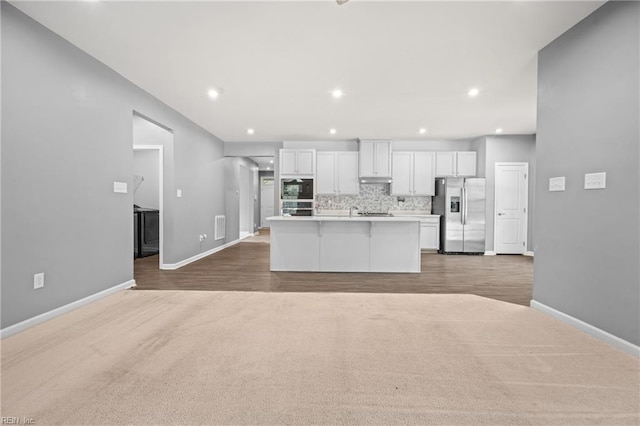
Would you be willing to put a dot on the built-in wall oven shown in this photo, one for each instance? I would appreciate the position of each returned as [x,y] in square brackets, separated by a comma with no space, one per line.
[297,197]
[297,208]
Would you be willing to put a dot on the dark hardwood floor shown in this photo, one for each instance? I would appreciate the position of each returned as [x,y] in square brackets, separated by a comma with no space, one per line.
[245,267]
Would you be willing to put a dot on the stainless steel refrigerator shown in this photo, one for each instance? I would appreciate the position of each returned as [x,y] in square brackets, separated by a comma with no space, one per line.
[460,202]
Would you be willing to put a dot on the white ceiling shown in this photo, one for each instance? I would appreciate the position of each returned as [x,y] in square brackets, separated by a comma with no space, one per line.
[264,163]
[401,65]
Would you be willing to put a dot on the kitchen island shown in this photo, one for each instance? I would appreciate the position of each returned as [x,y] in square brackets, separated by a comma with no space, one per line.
[345,244]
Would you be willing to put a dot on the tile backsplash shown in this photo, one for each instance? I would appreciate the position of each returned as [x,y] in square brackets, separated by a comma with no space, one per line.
[372,198]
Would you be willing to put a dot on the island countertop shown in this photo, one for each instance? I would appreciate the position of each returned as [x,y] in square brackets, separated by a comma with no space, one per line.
[332,218]
[345,244]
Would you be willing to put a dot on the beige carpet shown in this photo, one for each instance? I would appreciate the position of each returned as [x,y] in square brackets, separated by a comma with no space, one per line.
[161,357]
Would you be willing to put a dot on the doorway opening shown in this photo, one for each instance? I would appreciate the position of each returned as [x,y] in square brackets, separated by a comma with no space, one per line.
[266,200]
[247,199]
[149,140]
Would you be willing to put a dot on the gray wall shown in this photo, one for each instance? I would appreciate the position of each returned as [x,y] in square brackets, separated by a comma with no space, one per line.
[431,145]
[340,145]
[479,145]
[145,164]
[67,135]
[587,241]
[251,149]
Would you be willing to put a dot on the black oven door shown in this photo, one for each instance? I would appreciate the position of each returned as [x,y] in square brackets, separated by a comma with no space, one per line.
[297,189]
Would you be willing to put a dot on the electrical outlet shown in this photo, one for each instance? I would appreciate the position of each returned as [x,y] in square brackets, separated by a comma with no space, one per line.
[179,193]
[556,183]
[595,180]
[38,281]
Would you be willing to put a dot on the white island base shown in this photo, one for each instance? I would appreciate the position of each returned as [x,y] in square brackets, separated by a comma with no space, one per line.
[345,244]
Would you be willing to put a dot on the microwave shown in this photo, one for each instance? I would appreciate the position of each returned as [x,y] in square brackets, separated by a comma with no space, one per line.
[297,189]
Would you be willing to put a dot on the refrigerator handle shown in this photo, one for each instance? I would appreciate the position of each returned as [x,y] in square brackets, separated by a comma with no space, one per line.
[464,205]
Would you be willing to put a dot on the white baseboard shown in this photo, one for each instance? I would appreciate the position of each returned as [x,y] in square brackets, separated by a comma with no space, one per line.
[23,325]
[493,253]
[606,337]
[172,266]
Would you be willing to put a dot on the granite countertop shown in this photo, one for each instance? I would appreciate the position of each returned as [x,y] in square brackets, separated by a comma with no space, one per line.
[335,218]
[395,213]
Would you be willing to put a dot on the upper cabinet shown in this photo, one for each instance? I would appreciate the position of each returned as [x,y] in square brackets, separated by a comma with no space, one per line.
[413,173]
[337,172]
[375,159]
[462,163]
[297,162]
[466,163]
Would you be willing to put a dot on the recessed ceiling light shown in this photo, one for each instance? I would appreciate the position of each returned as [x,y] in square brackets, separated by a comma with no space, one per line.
[271,161]
[498,130]
[268,168]
[336,93]
[422,131]
[332,131]
[214,93]
[473,92]
[250,131]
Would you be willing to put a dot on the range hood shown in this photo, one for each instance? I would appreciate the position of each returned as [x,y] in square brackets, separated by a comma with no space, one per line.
[374,161]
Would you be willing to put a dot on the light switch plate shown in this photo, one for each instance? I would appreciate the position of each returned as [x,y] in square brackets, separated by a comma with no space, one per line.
[595,180]
[120,187]
[38,281]
[556,183]
[179,193]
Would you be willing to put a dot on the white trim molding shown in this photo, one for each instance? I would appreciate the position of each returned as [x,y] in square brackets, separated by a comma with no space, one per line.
[172,266]
[599,334]
[38,319]
[489,253]
[528,253]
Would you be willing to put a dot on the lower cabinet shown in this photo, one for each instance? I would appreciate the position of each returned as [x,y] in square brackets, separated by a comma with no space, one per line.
[430,233]
[345,244]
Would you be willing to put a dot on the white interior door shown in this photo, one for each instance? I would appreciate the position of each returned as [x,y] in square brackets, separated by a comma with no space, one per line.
[246,203]
[511,209]
[266,200]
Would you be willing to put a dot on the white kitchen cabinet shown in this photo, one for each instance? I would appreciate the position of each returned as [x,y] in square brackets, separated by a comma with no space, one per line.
[430,233]
[375,159]
[337,172]
[462,163]
[348,182]
[413,173]
[466,163]
[297,162]
[402,173]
